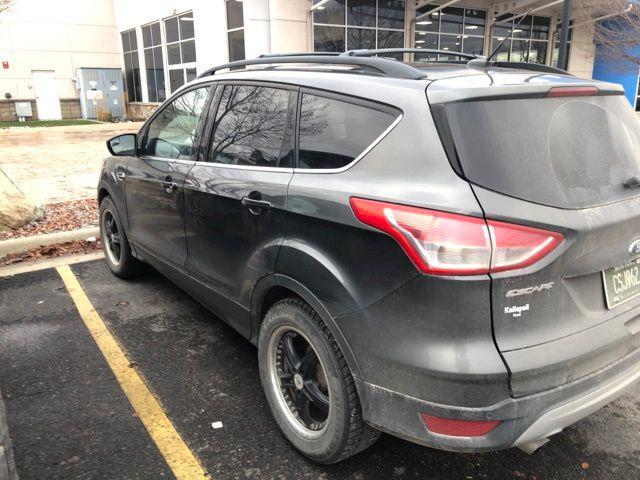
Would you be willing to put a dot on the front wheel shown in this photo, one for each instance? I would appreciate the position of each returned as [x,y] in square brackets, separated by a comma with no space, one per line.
[115,244]
[308,385]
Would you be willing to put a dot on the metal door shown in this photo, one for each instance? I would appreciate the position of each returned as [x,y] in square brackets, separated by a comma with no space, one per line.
[46,92]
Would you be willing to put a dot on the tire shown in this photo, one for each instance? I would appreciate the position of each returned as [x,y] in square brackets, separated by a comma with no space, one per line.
[292,333]
[119,259]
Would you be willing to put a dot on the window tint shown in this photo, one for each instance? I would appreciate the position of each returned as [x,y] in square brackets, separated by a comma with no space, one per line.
[334,133]
[253,127]
[172,133]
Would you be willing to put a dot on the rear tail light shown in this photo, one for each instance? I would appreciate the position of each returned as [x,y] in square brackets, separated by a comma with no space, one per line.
[572,92]
[459,428]
[441,243]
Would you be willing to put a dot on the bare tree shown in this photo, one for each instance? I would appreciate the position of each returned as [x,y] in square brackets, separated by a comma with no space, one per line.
[5,5]
[618,30]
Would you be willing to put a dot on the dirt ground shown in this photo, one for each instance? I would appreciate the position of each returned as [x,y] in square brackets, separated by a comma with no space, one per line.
[57,164]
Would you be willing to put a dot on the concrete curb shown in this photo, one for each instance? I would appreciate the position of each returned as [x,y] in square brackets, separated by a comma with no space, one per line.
[22,244]
[7,465]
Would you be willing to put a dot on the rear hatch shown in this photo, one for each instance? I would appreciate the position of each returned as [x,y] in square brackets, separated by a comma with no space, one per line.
[553,152]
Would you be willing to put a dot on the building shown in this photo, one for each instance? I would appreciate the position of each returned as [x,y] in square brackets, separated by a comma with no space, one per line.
[43,44]
[161,44]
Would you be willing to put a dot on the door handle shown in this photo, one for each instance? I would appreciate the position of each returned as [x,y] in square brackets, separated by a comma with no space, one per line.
[120,175]
[169,185]
[255,205]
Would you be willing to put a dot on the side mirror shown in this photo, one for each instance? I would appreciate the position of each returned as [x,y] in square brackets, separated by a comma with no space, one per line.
[123,145]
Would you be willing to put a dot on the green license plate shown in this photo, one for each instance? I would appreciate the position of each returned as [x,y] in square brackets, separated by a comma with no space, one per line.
[621,283]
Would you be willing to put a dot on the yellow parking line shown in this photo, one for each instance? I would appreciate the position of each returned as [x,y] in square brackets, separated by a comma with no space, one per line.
[180,459]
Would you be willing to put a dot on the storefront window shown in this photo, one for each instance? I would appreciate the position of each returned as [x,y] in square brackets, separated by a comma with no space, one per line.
[452,29]
[529,42]
[340,25]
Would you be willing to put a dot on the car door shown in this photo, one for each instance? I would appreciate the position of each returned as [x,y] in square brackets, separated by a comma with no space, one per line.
[154,179]
[236,196]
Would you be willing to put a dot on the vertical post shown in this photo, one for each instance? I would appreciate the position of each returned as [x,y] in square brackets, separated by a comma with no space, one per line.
[563,61]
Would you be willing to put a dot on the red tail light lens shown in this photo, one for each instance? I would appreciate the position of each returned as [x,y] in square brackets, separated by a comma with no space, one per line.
[441,243]
[459,428]
[572,92]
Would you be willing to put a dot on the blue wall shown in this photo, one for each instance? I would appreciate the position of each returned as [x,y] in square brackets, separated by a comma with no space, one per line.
[617,70]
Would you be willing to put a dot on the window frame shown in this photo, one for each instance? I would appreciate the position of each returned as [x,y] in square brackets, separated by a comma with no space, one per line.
[160,45]
[137,95]
[234,30]
[202,122]
[212,125]
[381,107]
[345,26]
[209,129]
[422,34]
[530,41]
[182,66]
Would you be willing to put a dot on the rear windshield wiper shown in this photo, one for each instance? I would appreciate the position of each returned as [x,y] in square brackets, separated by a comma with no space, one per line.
[633,182]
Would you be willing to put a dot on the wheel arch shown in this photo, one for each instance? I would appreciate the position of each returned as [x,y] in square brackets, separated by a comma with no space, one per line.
[272,288]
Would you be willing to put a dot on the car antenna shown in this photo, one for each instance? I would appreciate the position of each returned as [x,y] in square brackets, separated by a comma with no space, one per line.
[508,35]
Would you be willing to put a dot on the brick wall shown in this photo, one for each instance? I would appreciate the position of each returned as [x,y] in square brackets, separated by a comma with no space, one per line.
[8,109]
[7,466]
[69,107]
[141,111]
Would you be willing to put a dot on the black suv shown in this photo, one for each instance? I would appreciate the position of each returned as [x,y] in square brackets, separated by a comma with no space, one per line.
[445,252]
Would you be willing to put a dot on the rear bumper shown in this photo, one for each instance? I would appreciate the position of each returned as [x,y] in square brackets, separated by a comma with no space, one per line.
[525,420]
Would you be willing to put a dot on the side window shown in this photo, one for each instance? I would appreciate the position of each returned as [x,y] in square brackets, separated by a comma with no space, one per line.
[333,133]
[253,127]
[172,134]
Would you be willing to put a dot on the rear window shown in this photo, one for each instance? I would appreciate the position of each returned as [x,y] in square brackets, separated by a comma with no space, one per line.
[333,133]
[563,152]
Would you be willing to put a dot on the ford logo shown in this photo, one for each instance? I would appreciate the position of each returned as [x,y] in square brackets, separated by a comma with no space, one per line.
[634,248]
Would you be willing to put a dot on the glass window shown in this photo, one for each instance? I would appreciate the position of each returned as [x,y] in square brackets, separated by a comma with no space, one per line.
[361,13]
[453,29]
[131,65]
[235,17]
[529,42]
[235,30]
[153,59]
[172,134]
[451,20]
[328,39]
[369,24]
[391,14]
[176,79]
[333,133]
[181,48]
[361,38]
[331,12]
[186,26]
[171,29]
[251,127]
[236,45]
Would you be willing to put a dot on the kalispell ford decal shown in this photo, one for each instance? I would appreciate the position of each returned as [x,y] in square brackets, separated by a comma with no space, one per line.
[516,310]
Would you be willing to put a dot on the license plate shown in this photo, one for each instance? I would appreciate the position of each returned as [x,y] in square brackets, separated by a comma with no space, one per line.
[621,283]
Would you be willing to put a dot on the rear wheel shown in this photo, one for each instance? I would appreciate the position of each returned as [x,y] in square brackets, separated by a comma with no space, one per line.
[115,245]
[308,385]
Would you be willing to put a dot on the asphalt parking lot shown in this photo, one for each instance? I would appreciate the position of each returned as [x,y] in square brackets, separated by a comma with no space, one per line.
[70,419]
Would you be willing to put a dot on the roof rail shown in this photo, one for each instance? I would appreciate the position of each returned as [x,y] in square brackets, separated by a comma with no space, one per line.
[299,54]
[482,64]
[380,51]
[380,66]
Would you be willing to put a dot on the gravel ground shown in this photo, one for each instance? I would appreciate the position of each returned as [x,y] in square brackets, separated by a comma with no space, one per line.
[58,164]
